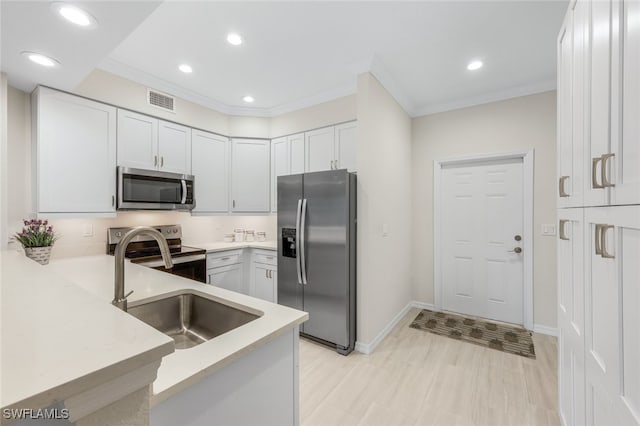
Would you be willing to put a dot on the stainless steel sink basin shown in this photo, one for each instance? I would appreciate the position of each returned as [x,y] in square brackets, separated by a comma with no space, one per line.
[190,319]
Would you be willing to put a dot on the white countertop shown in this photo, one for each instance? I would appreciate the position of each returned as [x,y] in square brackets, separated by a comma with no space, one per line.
[59,340]
[212,247]
[89,290]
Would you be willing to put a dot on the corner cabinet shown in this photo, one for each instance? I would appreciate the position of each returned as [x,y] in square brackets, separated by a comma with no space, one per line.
[75,155]
[250,179]
[210,166]
[149,143]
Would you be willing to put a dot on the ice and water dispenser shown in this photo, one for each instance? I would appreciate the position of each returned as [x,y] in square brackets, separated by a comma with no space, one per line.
[289,242]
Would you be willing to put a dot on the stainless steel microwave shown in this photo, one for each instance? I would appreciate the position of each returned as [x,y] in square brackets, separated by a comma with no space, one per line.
[140,189]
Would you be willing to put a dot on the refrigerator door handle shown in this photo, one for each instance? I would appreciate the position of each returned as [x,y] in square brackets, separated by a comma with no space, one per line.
[303,248]
[298,241]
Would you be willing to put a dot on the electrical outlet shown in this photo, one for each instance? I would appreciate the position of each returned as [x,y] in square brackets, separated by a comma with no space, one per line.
[87,230]
[549,230]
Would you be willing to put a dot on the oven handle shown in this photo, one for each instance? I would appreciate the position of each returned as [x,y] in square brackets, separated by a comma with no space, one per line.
[184,191]
[176,260]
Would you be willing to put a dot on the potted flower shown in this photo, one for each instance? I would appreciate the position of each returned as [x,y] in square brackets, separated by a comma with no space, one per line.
[37,238]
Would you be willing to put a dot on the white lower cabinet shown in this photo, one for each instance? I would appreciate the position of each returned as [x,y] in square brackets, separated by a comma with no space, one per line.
[248,271]
[604,374]
[264,275]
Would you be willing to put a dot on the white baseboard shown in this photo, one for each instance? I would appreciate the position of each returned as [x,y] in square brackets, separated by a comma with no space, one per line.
[367,348]
[545,329]
[423,305]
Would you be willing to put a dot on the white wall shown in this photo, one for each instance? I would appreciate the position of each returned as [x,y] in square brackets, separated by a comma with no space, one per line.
[384,197]
[3,162]
[321,115]
[516,124]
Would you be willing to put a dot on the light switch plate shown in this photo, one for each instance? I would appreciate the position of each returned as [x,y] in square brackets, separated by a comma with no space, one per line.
[548,230]
[87,230]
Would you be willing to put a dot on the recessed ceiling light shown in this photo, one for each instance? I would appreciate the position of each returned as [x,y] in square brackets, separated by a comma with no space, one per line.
[185,68]
[74,14]
[234,39]
[248,99]
[41,59]
[475,65]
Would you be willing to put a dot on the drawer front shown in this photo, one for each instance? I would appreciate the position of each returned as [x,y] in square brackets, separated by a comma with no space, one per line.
[224,258]
[269,257]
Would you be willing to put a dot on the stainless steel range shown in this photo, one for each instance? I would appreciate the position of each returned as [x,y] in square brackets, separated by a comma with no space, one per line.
[188,262]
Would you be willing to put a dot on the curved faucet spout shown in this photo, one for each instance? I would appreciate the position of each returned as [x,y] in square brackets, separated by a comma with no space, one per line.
[120,299]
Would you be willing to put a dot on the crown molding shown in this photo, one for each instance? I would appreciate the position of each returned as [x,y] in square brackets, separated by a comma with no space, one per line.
[382,74]
[500,95]
[118,68]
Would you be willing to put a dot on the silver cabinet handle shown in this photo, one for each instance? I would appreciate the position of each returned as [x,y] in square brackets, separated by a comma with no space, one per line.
[225,258]
[113,200]
[155,161]
[594,173]
[234,204]
[303,248]
[561,230]
[598,235]
[561,182]
[162,161]
[298,269]
[606,183]
[603,241]
[266,273]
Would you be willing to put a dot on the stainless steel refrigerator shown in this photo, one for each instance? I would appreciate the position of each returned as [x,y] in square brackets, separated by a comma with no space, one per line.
[317,253]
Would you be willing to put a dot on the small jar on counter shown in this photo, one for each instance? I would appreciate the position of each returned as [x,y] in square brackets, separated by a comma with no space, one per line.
[228,238]
[250,235]
[261,236]
[239,234]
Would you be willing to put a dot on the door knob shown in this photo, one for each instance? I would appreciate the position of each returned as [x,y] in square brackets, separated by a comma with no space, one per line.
[516,250]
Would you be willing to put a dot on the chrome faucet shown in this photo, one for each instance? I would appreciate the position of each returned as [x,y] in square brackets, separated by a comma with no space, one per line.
[120,299]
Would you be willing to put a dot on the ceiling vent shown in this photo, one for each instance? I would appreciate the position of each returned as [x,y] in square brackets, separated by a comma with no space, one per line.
[161,100]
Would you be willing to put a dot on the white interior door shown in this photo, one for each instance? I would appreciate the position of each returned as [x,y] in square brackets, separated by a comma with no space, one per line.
[482,214]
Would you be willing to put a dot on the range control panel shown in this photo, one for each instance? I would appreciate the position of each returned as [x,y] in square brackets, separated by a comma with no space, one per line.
[168,231]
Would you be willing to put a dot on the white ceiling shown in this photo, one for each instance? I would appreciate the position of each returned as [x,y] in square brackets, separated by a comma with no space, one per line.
[300,53]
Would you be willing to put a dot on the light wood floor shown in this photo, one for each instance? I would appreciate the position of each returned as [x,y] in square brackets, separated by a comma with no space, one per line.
[419,378]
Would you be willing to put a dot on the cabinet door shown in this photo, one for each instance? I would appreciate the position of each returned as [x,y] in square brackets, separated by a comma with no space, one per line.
[573,61]
[137,140]
[296,149]
[227,277]
[318,147]
[346,146]
[571,371]
[263,282]
[250,175]
[210,166]
[612,250]
[174,147]
[279,167]
[76,154]
[626,163]
[600,112]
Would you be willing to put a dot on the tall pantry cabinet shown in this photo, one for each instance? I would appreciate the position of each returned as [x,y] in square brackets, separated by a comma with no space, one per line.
[599,213]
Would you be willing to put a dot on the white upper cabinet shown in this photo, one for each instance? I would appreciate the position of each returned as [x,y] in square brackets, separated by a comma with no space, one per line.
[210,166]
[148,143]
[174,147]
[565,131]
[296,149]
[75,152]
[137,140]
[279,166]
[250,177]
[319,154]
[346,146]
[625,161]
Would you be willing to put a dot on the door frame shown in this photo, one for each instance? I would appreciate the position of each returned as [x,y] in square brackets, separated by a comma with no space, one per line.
[527,197]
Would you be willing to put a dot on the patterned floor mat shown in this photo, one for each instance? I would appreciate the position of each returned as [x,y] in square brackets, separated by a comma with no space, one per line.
[502,337]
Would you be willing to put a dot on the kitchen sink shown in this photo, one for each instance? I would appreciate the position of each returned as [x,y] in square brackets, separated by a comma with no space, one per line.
[190,319]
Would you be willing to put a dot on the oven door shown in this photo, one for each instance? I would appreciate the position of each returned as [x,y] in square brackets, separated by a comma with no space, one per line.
[193,267]
[140,189]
